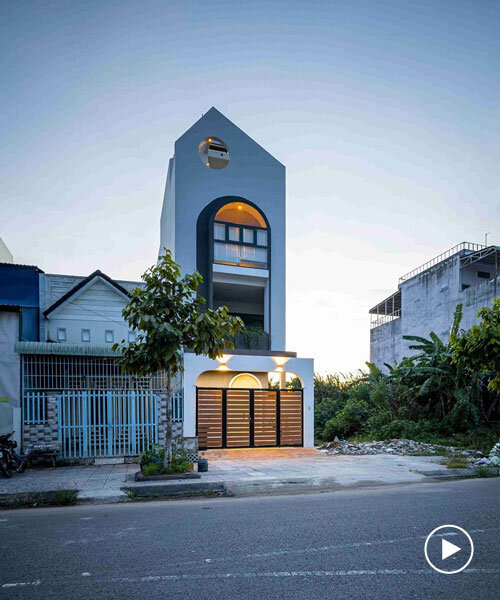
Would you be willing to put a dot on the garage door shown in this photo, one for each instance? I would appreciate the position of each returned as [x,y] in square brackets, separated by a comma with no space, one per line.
[246,418]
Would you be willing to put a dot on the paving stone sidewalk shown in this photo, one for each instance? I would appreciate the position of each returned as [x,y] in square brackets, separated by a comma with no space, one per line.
[250,472]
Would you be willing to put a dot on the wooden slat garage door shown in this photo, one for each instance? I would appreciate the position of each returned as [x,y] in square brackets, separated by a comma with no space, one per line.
[291,418]
[242,418]
[209,418]
[237,418]
[265,420]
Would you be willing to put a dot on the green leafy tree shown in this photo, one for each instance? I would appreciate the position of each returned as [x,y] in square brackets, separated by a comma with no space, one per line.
[478,350]
[170,317]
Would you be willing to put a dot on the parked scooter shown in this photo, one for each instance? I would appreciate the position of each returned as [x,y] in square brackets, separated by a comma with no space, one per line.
[9,458]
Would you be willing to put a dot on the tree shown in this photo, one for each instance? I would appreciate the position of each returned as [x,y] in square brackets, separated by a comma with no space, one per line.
[169,317]
[478,350]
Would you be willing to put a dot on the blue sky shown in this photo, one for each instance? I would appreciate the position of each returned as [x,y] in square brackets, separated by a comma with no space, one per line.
[385,113]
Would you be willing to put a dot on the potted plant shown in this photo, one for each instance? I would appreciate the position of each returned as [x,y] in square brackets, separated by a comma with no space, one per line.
[202,463]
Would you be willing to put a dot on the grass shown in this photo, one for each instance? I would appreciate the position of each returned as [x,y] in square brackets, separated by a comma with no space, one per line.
[177,466]
[455,462]
[64,498]
[489,472]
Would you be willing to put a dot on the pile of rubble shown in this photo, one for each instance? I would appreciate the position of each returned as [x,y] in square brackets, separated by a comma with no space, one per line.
[493,460]
[398,447]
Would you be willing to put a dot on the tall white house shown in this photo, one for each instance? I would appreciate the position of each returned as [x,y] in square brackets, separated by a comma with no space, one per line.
[224,214]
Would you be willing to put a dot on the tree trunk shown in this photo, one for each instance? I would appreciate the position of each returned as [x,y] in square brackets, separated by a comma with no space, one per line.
[169,432]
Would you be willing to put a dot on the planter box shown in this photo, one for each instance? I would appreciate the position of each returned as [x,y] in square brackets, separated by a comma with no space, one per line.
[140,477]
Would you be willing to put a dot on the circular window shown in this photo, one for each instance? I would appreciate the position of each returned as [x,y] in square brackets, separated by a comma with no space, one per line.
[214,153]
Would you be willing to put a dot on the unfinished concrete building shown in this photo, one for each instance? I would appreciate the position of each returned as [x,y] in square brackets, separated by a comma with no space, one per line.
[426,299]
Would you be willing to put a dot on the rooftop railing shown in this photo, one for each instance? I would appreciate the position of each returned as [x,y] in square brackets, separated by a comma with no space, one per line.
[445,255]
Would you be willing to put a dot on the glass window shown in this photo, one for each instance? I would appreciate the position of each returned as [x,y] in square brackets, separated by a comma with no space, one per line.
[261,237]
[219,231]
[226,253]
[234,234]
[254,255]
[248,236]
[109,336]
[85,335]
[61,334]
[483,274]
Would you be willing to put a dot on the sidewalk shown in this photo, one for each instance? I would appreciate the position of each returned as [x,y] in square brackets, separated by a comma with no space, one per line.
[235,472]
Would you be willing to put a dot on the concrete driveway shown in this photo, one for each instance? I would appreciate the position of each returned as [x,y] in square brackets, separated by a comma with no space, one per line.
[242,471]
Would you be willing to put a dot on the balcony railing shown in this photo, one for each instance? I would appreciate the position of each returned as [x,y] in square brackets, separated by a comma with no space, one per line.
[385,319]
[240,245]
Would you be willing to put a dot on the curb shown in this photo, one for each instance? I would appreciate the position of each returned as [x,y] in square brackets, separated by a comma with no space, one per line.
[176,489]
[461,473]
[60,497]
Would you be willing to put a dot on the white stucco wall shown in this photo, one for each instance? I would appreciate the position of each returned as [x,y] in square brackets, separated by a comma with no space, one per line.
[195,365]
[252,174]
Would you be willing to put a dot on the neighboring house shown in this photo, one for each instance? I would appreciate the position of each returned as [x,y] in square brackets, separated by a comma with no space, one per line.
[427,297]
[19,320]
[224,214]
[89,312]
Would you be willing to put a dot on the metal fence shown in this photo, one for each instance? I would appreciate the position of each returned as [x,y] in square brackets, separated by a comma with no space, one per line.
[34,408]
[67,372]
[107,422]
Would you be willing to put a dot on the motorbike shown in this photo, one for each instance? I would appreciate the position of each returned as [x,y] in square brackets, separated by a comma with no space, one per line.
[9,458]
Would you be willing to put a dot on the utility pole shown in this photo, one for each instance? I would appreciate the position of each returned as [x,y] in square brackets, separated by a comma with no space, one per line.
[486,239]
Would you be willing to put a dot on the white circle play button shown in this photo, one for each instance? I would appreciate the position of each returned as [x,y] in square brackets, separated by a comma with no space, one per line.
[448,549]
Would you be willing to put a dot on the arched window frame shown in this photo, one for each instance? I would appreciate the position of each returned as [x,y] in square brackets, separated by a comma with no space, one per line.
[205,241]
[251,375]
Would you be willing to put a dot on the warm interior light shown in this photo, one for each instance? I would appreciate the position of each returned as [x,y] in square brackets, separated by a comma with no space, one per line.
[222,368]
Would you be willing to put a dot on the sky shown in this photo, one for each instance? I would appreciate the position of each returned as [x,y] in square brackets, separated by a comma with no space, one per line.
[386,115]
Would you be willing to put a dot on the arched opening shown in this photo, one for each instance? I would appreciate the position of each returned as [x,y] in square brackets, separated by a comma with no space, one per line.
[240,236]
[240,213]
[245,381]
[285,380]
[234,257]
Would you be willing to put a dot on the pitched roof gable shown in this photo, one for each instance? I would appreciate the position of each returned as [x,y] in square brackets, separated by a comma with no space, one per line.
[84,283]
[214,113]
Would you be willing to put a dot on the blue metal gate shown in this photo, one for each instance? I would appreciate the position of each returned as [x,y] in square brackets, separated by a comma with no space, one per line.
[95,423]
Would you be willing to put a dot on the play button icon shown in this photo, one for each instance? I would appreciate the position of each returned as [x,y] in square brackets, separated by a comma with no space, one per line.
[448,549]
[445,556]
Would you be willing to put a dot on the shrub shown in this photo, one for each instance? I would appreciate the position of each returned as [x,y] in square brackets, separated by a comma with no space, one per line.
[348,420]
[154,454]
[324,410]
[180,464]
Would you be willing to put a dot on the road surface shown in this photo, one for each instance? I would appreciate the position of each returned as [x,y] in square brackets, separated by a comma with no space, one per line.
[356,544]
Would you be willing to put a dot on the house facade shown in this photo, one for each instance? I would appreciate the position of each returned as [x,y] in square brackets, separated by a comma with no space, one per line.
[224,214]
[426,299]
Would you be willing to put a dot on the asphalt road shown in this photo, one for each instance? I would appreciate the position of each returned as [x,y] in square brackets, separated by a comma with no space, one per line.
[357,544]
